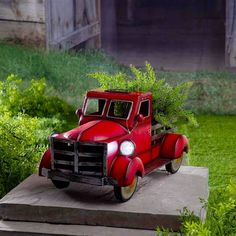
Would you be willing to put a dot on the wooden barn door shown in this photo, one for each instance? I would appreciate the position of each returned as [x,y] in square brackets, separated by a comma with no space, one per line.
[230,40]
[73,22]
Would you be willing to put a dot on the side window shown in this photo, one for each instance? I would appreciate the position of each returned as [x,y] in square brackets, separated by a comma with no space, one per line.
[144,108]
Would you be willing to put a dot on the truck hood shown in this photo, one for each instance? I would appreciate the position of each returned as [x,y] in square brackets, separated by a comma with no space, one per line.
[95,131]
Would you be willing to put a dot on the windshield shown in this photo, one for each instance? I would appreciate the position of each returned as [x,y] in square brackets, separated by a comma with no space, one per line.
[119,109]
[94,107]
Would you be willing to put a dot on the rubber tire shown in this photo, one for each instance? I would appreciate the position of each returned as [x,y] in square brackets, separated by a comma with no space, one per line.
[119,191]
[172,167]
[60,184]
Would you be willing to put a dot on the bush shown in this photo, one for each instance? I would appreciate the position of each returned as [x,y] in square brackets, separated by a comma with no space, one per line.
[23,139]
[27,117]
[168,101]
[221,215]
[16,97]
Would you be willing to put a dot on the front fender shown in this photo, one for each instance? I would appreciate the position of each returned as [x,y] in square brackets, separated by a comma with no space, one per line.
[173,146]
[124,169]
[45,162]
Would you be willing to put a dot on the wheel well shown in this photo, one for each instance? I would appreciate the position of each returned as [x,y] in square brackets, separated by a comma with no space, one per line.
[139,173]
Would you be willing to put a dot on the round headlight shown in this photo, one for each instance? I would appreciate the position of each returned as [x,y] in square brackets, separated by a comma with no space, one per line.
[127,148]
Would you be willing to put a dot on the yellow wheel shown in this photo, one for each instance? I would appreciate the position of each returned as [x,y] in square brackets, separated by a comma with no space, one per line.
[123,194]
[174,165]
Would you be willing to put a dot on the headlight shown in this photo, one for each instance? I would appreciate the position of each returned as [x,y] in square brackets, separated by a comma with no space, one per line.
[127,148]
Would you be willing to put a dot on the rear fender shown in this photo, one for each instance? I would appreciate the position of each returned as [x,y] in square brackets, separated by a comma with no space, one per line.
[45,162]
[124,169]
[173,146]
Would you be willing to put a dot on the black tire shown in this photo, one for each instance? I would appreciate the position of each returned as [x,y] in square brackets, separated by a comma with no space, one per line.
[123,194]
[60,184]
[174,165]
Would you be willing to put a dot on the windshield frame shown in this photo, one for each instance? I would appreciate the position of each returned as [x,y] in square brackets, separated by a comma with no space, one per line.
[119,100]
[95,98]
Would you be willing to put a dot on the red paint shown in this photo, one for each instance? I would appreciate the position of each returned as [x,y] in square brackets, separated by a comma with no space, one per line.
[173,146]
[112,132]
[45,161]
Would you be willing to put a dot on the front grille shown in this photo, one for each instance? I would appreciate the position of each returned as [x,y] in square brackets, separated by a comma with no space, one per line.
[83,158]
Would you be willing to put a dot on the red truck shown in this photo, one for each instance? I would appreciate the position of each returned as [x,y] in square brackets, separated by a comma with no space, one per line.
[116,142]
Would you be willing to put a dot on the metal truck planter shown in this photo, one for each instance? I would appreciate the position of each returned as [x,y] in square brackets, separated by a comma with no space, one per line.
[115,143]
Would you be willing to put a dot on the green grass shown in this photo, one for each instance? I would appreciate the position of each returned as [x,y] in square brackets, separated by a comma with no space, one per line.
[212,145]
[66,73]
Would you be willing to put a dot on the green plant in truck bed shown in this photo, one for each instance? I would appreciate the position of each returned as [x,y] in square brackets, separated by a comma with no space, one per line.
[168,101]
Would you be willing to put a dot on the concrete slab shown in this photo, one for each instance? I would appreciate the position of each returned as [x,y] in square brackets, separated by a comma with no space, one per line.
[156,203]
[13,228]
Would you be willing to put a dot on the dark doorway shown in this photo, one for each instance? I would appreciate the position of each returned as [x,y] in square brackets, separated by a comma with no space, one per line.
[181,35]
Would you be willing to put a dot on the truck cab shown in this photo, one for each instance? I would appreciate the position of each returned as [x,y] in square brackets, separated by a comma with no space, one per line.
[115,143]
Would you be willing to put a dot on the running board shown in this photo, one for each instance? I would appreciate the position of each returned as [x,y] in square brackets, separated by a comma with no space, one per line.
[157,163]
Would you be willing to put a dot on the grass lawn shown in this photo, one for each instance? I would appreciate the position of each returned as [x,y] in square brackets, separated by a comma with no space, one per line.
[67,75]
[212,145]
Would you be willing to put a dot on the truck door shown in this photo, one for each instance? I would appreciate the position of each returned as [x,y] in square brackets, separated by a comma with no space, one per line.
[142,133]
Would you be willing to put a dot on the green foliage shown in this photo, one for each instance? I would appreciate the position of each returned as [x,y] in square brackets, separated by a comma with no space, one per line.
[16,98]
[27,117]
[221,217]
[66,73]
[168,101]
[23,139]
[212,145]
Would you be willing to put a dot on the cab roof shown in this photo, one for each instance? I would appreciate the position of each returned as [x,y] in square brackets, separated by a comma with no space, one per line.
[119,94]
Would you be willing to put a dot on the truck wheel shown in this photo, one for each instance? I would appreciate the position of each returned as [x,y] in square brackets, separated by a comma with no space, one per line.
[123,194]
[60,184]
[174,165]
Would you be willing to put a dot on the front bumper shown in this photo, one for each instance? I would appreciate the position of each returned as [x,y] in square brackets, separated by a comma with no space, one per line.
[66,176]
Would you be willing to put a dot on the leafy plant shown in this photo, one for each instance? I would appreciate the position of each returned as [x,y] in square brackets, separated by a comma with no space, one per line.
[27,117]
[23,139]
[168,101]
[16,97]
[221,215]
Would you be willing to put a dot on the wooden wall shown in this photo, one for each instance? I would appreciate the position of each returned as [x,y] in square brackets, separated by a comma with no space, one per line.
[23,19]
[53,23]
[73,22]
[230,39]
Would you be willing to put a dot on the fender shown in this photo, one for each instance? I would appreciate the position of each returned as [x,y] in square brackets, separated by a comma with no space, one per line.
[125,168]
[173,146]
[134,167]
[45,162]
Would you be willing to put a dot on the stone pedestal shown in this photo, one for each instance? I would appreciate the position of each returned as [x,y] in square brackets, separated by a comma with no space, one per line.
[157,202]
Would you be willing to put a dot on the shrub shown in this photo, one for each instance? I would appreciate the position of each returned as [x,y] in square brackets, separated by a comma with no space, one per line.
[16,97]
[168,101]
[27,117]
[221,215]
[23,139]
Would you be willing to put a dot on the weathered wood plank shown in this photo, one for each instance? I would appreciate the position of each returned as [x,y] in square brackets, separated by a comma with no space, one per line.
[92,10]
[48,25]
[230,40]
[22,10]
[62,18]
[27,31]
[77,37]
[79,13]
[109,25]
